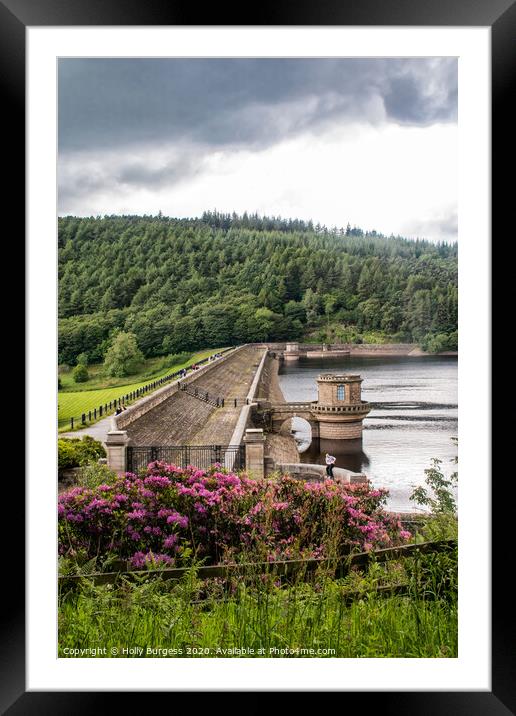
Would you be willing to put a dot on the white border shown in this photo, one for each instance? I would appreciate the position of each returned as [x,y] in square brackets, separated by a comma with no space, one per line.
[471,671]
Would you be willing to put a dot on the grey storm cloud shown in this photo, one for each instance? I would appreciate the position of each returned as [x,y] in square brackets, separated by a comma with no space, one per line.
[170,172]
[77,179]
[126,125]
[444,226]
[112,103]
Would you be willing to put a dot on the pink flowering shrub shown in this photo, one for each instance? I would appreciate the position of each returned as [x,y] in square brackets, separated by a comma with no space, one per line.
[172,514]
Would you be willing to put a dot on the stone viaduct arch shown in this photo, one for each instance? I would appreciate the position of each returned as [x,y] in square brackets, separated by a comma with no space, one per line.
[335,418]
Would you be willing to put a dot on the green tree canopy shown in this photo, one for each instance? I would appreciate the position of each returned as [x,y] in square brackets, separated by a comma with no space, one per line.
[187,284]
[123,357]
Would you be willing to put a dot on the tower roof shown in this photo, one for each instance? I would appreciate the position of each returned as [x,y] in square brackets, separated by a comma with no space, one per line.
[340,378]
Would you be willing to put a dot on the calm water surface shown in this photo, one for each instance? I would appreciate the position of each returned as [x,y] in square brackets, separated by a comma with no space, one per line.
[413,419]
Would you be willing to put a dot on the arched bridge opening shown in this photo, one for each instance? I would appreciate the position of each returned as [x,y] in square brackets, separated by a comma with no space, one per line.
[301,429]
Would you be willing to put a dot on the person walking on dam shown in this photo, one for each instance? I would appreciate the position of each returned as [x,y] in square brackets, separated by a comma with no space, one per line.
[330,461]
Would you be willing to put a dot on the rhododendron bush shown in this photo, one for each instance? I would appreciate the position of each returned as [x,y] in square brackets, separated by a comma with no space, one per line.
[170,515]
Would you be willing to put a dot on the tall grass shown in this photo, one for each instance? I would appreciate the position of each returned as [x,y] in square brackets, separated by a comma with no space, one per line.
[258,616]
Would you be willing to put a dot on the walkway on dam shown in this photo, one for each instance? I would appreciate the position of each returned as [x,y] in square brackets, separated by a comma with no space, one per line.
[183,419]
[98,430]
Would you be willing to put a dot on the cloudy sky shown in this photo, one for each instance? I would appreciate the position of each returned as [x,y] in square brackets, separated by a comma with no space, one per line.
[372,142]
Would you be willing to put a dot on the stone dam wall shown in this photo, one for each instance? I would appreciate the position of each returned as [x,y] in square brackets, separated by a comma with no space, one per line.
[375,349]
[174,417]
[243,377]
[149,402]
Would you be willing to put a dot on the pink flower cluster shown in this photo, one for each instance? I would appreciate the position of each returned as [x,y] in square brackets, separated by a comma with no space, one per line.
[172,514]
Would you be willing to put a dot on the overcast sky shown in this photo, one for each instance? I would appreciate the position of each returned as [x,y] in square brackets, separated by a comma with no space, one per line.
[372,142]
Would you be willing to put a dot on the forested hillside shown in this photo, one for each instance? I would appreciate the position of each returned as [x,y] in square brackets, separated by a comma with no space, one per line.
[180,285]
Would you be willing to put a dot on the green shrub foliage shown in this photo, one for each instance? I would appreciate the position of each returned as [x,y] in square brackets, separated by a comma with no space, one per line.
[74,452]
[80,374]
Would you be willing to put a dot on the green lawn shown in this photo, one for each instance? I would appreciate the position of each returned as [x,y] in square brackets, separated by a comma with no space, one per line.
[149,370]
[74,403]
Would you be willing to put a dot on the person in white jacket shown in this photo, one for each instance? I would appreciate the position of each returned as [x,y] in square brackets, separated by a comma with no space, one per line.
[330,460]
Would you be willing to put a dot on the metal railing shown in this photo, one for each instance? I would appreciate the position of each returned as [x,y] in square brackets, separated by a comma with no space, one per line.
[201,394]
[200,456]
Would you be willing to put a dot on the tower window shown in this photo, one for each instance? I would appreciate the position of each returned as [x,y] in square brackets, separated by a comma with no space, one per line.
[341,392]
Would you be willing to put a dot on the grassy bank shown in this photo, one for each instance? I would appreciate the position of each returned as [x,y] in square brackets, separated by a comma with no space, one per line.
[101,390]
[325,618]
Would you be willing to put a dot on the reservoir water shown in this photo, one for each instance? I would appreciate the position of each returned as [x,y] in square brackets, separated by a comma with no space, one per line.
[413,420]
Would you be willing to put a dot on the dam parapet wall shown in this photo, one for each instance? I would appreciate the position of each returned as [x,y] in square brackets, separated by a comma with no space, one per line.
[143,406]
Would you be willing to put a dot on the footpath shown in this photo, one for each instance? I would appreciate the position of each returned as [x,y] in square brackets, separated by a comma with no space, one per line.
[98,430]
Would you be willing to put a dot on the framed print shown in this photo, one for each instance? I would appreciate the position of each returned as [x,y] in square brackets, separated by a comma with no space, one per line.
[258,257]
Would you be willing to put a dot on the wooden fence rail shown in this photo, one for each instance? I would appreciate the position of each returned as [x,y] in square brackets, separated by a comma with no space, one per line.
[341,565]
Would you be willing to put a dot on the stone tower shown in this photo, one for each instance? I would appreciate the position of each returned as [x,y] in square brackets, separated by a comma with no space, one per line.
[340,411]
[292,351]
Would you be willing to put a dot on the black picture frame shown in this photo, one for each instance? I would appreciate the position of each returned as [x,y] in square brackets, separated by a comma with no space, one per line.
[500,15]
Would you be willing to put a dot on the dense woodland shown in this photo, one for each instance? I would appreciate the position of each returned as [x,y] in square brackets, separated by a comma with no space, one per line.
[186,284]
